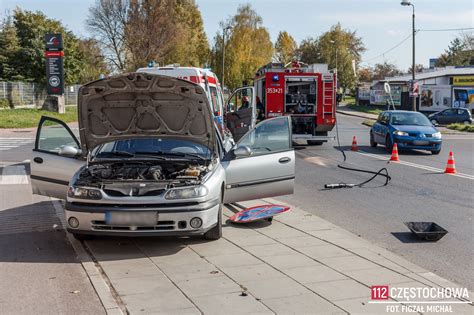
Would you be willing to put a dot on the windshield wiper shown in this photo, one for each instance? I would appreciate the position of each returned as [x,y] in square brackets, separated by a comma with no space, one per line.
[118,153]
[180,154]
[130,155]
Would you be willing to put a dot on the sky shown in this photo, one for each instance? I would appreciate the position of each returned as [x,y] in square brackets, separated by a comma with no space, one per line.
[382,24]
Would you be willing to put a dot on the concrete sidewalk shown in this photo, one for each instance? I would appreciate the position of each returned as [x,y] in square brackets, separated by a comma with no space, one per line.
[298,264]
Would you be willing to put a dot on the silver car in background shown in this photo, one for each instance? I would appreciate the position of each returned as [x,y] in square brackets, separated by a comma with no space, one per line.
[151,162]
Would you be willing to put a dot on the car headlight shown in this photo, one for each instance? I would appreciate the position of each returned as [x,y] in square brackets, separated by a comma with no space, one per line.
[84,193]
[186,193]
[400,133]
[436,135]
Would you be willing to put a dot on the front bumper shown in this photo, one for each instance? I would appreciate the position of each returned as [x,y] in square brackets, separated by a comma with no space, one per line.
[175,222]
[406,142]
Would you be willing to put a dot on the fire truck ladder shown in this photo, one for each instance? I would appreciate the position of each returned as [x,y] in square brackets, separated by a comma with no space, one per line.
[328,96]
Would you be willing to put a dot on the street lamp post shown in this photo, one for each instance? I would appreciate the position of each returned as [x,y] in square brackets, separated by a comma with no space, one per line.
[224,32]
[408,3]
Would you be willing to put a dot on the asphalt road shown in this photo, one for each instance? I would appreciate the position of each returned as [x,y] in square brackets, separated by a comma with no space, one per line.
[418,191]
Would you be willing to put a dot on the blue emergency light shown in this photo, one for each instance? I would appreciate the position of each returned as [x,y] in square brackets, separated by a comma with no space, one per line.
[275,78]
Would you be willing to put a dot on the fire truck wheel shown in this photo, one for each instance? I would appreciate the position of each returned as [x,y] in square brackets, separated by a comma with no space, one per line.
[313,142]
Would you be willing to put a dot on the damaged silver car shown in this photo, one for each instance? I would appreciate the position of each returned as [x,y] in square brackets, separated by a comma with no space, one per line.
[150,160]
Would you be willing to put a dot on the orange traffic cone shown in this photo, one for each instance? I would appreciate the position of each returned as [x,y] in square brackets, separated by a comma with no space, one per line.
[394,157]
[354,144]
[450,166]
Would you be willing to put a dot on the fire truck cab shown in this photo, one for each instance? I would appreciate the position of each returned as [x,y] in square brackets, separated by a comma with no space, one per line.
[305,92]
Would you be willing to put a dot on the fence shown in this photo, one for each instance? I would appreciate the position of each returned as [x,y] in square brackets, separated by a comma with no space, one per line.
[26,94]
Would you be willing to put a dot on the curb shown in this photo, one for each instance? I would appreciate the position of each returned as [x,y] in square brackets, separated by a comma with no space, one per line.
[96,275]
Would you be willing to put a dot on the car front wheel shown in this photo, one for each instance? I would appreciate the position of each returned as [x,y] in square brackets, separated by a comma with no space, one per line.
[216,232]
[435,152]
[466,122]
[373,144]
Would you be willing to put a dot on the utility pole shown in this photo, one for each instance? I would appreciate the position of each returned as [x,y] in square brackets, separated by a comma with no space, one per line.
[408,3]
[224,32]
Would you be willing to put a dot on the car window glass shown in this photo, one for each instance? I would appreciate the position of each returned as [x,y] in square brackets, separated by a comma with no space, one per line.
[53,136]
[155,146]
[448,112]
[240,100]
[385,118]
[268,136]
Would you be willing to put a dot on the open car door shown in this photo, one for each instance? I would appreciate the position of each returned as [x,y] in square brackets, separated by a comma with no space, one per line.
[241,112]
[56,157]
[262,163]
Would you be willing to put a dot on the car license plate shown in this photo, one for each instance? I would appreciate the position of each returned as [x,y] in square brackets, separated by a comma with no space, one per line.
[418,142]
[131,218]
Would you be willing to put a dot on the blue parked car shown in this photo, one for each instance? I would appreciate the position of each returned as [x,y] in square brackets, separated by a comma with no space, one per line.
[410,130]
[451,115]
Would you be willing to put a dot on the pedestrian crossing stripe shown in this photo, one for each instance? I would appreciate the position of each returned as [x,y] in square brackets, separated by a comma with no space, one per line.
[10,143]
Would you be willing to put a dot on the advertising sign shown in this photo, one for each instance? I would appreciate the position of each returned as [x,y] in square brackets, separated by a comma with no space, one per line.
[435,97]
[379,97]
[463,97]
[54,64]
[466,80]
[53,42]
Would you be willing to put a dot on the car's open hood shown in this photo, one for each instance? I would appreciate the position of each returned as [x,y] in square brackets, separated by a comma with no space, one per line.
[137,105]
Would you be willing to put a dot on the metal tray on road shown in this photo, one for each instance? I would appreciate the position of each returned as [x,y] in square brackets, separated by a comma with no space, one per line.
[427,231]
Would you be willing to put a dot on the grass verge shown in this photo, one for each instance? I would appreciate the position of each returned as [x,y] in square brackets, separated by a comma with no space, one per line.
[368,122]
[365,109]
[26,117]
[461,127]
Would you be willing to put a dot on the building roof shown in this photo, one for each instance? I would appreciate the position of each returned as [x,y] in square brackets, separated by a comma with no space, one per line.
[434,73]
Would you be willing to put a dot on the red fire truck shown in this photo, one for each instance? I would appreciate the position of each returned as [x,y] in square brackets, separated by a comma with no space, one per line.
[306,92]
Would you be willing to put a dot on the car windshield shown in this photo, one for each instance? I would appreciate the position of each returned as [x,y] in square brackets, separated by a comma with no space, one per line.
[414,119]
[153,147]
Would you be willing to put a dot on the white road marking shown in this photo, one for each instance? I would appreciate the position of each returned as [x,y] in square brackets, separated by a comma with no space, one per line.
[13,175]
[10,143]
[424,167]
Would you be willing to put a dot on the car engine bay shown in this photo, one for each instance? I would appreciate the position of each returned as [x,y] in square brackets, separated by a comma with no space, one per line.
[142,178]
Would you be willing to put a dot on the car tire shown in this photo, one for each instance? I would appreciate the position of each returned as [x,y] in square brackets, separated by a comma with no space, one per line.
[388,144]
[216,232]
[373,144]
[435,152]
[434,122]
[313,142]
[466,122]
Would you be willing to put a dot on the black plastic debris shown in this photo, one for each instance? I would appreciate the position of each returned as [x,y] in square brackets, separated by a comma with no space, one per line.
[427,231]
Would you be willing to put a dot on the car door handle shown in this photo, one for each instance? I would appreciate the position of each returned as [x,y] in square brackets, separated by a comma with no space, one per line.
[284,160]
[38,160]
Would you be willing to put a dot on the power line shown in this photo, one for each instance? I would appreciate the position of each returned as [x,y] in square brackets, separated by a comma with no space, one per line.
[448,29]
[389,50]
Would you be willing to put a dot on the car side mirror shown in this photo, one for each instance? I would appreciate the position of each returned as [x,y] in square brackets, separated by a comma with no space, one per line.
[69,151]
[242,151]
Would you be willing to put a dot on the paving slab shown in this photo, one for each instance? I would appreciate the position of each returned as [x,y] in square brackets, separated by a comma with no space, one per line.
[302,304]
[208,286]
[259,271]
[283,262]
[340,289]
[275,288]
[377,276]
[324,251]
[312,274]
[270,250]
[202,269]
[234,260]
[348,263]
[302,241]
[230,303]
